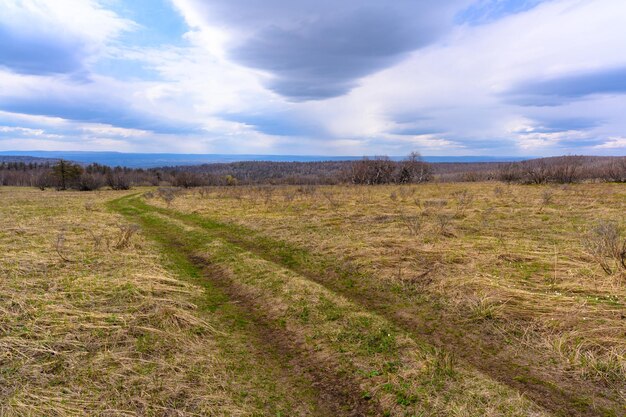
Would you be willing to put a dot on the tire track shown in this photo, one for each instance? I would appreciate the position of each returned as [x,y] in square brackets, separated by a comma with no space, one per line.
[335,393]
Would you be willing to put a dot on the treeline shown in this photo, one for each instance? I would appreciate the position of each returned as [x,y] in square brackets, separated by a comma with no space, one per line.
[22,174]
[561,169]
[259,172]
[64,175]
[378,170]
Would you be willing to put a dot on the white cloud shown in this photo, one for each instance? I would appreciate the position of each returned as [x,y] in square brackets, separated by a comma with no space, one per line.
[449,96]
[614,143]
[60,36]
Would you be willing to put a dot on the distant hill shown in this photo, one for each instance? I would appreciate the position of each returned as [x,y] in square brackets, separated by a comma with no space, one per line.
[154,160]
[26,159]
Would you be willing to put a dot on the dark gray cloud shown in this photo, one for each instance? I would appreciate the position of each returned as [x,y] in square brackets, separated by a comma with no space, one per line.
[319,49]
[409,117]
[557,91]
[547,125]
[96,110]
[581,142]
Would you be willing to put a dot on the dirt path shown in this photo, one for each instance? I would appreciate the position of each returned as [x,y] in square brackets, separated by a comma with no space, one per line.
[333,393]
[336,395]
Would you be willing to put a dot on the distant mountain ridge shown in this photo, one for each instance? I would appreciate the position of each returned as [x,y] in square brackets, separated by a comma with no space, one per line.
[153,160]
[27,159]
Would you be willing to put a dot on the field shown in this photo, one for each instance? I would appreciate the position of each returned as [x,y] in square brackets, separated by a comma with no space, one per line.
[441,299]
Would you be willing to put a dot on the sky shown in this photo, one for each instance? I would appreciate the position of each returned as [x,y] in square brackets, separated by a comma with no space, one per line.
[314,77]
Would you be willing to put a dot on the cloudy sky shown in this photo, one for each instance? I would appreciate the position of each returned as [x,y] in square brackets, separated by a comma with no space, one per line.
[321,77]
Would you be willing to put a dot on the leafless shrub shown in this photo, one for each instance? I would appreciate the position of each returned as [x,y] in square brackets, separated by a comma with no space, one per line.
[546,197]
[332,199]
[188,179]
[43,180]
[393,196]
[615,171]
[566,170]
[563,170]
[126,232]
[98,239]
[498,191]
[149,195]
[118,180]
[382,170]
[444,221]
[606,245]
[509,173]
[167,194]
[90,206]
[535,172]
[89,182]
[59,246]
[414,170]
[463,198]
[379,170]
[412,223]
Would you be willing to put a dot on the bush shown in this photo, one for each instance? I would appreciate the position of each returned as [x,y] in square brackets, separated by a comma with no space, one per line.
[118,180]
[615,171]
[606,245]
[90,182]
[188,180]
[373,171]
[44,180]
[382,170]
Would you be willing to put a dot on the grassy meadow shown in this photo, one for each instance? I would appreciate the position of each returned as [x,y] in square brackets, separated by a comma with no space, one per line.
[441,299]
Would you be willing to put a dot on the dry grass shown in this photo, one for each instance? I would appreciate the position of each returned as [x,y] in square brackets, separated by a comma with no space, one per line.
[509,259]
[95,328]
[404,377]
[95,321]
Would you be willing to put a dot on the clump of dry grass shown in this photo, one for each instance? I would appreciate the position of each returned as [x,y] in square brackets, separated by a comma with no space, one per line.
[463,199]
[413,223]
[604,242]
[168,194]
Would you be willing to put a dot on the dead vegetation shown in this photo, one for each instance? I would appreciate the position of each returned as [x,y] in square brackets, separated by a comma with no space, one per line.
[549,282]
[91,323]
[605,243]
[434,294]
